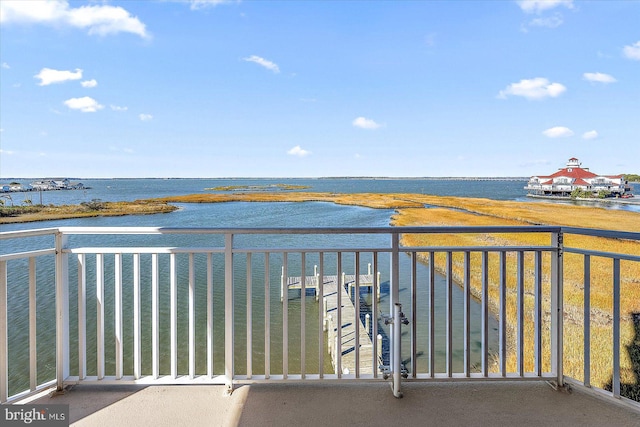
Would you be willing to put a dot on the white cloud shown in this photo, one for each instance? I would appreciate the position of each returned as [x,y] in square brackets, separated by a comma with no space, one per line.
[558,132]
[201,4]
[263,62]
[364,123]
[84,104]
[5,65]
[97,19]
[118,108]
[537,6]
[599,77]
[298,151]
[592,134]
[7,152]
[536,88]
[145,117]
[48,76]
[632,51]
[89,83]
[549,22]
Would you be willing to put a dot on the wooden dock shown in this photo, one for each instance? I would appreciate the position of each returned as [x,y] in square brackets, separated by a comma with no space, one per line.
[349,324]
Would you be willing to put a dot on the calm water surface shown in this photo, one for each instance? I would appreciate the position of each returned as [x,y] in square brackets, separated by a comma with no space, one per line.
[235,214]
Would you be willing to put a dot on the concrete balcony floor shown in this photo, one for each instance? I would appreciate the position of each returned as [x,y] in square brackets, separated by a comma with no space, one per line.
[337,404]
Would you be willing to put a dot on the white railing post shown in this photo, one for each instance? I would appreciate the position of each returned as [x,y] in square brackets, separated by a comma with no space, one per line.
[615,381]
[62,311]
[118,330]
[395,308]
[228,311]
[4,335]
[557,310]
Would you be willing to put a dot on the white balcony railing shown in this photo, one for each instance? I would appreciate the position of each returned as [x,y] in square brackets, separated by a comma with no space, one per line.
[187,305]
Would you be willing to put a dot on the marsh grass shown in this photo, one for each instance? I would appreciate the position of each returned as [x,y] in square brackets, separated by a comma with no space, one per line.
[601,297]
[48,213]
[452,211]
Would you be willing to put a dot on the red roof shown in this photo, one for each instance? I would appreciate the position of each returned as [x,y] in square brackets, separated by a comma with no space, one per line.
[548,182]
[580,181]
[575,173]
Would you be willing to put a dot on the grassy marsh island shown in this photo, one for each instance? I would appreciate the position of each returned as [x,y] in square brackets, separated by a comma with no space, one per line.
[269,187]
[426,210]
[15,214]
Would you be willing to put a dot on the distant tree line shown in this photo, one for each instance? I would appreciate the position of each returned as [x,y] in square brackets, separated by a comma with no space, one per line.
[632,177]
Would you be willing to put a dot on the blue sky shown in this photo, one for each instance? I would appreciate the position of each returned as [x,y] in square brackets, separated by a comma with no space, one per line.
[318,88]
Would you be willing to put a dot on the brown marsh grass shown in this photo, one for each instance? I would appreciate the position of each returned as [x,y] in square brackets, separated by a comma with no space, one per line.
[48,213]
[451,211]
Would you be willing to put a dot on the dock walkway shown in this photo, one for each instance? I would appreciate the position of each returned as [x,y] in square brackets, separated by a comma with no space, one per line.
[350,325]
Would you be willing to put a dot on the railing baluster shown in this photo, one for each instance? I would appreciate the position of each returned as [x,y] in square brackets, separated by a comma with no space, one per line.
[155,318]
[396,335]
[503,314]
[100,314]
[82,316]
[4,335]
[321,315]
[338,349]
[267,318]
[119,353]
[137,336]
[303,291]
[285,317]
[62,311]
[587,321]
[557,311]
[467,313]
[249,318]
[374,310]
[538,313]
[229,329]
[485,314]
[520,314]
[449,316]
[33,351]
[616,327]
[432,330]
[356,320]
[173,309]
[210,315]
[192,318]
[414,314]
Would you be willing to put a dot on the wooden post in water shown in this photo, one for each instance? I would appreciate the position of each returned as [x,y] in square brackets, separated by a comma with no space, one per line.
[282,285]
[317,276]
[367,323]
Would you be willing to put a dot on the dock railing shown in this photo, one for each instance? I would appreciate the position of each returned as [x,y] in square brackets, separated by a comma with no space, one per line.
[121,305]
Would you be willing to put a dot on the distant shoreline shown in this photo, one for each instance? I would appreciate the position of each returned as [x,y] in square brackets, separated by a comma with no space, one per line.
[388,178]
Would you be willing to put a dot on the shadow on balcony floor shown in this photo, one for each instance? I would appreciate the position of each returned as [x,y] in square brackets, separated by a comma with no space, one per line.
[370,404]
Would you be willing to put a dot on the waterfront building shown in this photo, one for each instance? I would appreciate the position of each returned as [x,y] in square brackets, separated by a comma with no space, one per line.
[574,177]
[56,184]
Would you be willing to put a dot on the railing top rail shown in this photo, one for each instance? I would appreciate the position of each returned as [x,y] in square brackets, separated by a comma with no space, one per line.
[322,230]
[310,230]
[28,233]
[629,235]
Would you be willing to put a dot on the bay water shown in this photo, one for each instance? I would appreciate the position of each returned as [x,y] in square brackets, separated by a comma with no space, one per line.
[230,215]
